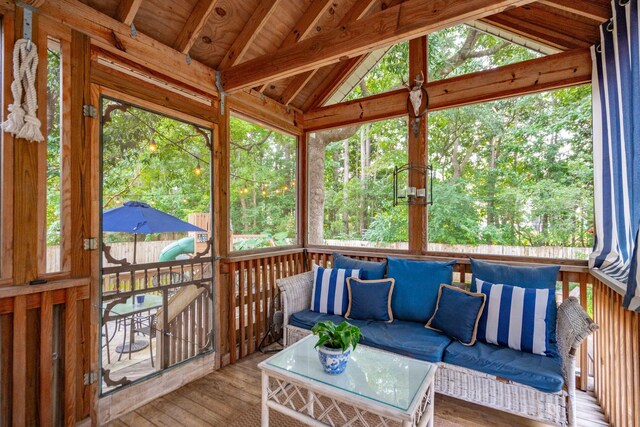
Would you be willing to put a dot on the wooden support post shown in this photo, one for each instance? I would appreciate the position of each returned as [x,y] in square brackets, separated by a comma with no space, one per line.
[417,148]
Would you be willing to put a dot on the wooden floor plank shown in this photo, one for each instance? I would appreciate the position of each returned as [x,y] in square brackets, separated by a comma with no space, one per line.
[220,397]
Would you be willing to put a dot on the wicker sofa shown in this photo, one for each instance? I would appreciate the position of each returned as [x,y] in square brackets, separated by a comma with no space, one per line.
[573,326]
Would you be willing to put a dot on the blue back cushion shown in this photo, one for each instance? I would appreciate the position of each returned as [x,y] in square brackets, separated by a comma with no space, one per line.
[369,270]
[416,288]
[457,314]
[514,317]
[370,299]
[526,277]
[329,294]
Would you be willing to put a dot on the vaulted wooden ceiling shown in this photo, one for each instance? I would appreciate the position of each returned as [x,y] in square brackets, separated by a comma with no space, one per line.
[225,33]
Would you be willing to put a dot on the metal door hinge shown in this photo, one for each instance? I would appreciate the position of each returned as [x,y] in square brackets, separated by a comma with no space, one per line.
[89,111]
[90,244]
[90,377]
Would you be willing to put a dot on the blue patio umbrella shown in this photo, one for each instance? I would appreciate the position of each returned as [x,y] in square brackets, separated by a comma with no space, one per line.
[140,218]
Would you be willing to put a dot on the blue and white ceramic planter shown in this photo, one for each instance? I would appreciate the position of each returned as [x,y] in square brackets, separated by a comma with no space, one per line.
[334,361]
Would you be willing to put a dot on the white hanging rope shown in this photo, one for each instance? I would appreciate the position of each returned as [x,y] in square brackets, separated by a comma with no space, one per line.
[22,120]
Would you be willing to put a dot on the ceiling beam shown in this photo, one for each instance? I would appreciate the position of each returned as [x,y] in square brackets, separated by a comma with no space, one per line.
[305,24]
[115,37]
[192,28]
[407,20]
[127,10]
[590,9]
[267,111]
[249,33]
[296,85]
[550,72]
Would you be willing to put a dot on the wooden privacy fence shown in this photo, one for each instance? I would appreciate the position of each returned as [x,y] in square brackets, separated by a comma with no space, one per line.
[45,350]
[252,287]
[617,357]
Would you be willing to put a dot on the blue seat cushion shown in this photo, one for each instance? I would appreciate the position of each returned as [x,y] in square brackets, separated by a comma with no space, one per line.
[541,372]
[407,338]
[410,339]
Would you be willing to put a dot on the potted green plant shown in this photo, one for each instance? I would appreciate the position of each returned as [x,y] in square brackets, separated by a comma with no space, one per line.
[335,343]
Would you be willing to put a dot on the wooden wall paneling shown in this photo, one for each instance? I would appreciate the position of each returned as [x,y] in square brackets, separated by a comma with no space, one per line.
[6,369]
[115,36]
[70,356]
[592,9]
[32,339]
[409,19]
[25,194]
[46,360]
[19,362]
[417,150]
[551,72]
[6,195]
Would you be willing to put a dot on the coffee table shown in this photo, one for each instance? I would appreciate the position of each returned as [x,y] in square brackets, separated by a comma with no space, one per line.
[377,388]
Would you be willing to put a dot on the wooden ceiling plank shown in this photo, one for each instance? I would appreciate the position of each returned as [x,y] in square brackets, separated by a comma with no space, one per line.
[537,75]
[405,21]
[192,28]
[115,37]
[593,10]
[127,10]
[249,33]
[356,12]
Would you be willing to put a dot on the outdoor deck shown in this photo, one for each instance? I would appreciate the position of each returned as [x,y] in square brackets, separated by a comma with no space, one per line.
[233,393]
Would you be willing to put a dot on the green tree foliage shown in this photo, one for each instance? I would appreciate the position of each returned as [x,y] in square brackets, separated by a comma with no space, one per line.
[53,147]
[262,185]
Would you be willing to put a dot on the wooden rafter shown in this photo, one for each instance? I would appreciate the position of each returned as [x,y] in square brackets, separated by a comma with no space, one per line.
[407,20]
[357,11]
[115,37]
[192,28]
[590,9]
[248,34]
[304,25]
[536,75]
[127,10]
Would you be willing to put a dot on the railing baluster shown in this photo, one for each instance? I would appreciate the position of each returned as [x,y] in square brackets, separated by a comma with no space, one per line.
[232,312]
[250,307]
[241,290]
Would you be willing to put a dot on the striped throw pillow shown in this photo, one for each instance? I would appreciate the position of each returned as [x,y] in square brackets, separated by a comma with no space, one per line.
[514,317]
[329,293]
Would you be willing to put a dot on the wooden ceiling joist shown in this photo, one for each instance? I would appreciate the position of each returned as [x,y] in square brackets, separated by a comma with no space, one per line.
[249,32]
[594,10]
[127,10]
[357,11]
[395,24]
[536,75]
[192,28]
[301,30]
[115,36]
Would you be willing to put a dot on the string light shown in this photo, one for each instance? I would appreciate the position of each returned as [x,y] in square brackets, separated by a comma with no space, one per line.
[198,170]
[153,147]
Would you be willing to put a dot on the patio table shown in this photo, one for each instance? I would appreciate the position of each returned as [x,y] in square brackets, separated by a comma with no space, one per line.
[377,388]
[131,308]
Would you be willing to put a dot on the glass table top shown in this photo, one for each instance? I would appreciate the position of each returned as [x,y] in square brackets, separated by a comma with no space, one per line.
[384,377]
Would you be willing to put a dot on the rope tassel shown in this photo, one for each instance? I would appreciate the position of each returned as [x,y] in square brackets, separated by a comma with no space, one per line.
[22,121]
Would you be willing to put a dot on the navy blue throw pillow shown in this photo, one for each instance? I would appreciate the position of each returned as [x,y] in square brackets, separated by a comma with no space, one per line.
[370,299]
[457,314]
[369,270]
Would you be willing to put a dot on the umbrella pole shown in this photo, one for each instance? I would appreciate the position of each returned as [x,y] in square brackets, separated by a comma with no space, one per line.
[135,243]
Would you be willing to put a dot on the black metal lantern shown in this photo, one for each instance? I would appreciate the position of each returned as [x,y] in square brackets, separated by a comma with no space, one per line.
[419,188]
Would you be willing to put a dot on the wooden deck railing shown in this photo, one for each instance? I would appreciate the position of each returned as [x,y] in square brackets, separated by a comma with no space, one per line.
[252,281]
[45,351]
[617,357]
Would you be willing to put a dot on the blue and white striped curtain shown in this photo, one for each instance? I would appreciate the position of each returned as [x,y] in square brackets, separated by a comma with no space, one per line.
[616,149]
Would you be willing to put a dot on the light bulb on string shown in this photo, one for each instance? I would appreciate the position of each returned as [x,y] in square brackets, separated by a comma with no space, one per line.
[198,170]
[264,193]
[153,147]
